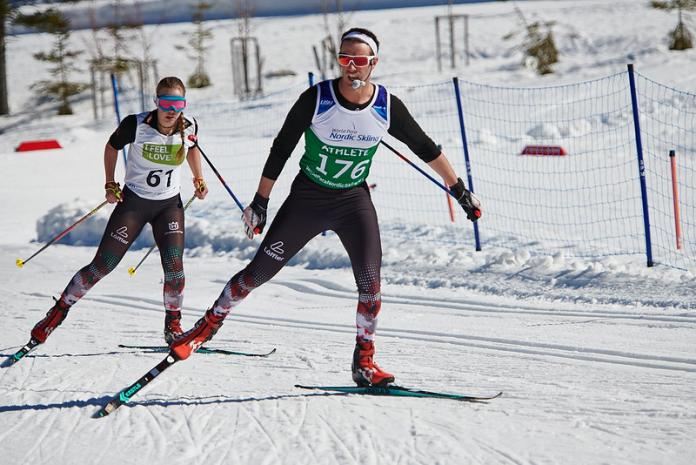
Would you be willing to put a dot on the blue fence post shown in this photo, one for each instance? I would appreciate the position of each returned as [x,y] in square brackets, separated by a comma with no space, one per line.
[469,178]
[641,165]
[114,87]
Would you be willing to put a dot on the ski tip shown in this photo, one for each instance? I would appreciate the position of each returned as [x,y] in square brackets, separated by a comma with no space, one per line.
[8,362]
[112,405]
[131,271]
[19,263]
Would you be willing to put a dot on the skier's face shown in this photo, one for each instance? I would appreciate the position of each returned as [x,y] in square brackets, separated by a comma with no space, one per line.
[352,72]
[168,117]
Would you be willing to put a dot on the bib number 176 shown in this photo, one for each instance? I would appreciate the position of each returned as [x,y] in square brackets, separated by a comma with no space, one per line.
[345,165]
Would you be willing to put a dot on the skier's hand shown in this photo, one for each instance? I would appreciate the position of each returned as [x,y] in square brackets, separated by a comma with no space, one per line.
[254,216]
[113,192]
[201,188]
[468,201]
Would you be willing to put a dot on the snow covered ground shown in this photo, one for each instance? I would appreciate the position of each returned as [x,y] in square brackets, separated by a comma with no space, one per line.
[596,358]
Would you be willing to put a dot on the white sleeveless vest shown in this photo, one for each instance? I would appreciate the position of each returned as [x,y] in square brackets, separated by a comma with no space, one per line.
[152,170]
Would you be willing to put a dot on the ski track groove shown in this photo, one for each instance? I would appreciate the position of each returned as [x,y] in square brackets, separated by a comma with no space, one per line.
[73,431]
[508,345]
[102,451]
[373,446]
[302,424]
[231,439]
[210,429]
[413,433]
[160,443]
[338,440]
[498,452]
[36,446]
[266,433]
[531,348]
[333,290]
[496,344]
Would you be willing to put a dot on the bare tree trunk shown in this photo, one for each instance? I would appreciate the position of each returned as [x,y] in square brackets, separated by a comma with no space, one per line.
[4,107]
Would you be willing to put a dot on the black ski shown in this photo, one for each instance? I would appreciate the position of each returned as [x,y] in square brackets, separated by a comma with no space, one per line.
[400,391]
[19,355]
[125,395]
[201,350]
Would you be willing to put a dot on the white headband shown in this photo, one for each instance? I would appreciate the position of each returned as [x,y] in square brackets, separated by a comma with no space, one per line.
[364,38]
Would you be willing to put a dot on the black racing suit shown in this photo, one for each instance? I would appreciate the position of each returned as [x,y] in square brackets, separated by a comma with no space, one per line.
[125,224]
[311,209]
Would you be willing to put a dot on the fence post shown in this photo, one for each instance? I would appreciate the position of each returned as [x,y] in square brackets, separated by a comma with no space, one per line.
[437,43]
[470,180]
[675,198]
[641,165]
[310,78]
[114,87]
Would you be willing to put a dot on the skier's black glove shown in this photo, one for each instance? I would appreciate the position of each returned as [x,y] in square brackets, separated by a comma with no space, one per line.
[254,216]
[468,201]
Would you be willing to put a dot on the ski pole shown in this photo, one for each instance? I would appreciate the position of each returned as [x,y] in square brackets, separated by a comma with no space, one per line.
[20,263]
[435,181]
[194,139]
[132,270]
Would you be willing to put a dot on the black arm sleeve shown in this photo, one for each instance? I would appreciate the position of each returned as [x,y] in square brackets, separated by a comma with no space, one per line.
[298,120]
[124,133]
[407,130]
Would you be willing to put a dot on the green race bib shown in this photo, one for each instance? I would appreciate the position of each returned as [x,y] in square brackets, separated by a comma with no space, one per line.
[334,166]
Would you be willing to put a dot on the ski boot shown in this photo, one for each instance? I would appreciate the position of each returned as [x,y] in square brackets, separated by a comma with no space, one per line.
[51,321]
[172,326]
[40,332]
[194,338]
[365,371]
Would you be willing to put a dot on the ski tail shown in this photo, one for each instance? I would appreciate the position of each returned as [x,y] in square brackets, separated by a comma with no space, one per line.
[19,355]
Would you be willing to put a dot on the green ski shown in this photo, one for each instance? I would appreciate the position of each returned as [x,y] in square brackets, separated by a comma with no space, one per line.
[400,391]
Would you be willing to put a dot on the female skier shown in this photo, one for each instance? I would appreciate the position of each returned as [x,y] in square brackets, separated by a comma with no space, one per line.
[158,146]
[343,122]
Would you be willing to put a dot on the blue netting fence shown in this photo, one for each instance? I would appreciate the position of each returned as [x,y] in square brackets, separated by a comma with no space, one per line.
[586,203]
[668,122]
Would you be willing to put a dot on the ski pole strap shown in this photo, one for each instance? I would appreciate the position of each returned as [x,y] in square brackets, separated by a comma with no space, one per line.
[114,188]
[199,184]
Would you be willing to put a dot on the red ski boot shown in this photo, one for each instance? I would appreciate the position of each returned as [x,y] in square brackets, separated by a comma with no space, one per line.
[202,331]
[51,321]
[365,371]
[172,326]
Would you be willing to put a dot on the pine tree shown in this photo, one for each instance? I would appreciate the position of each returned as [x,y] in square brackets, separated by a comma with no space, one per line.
[198,46]
[61,57]
[680,38]
[539,47]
